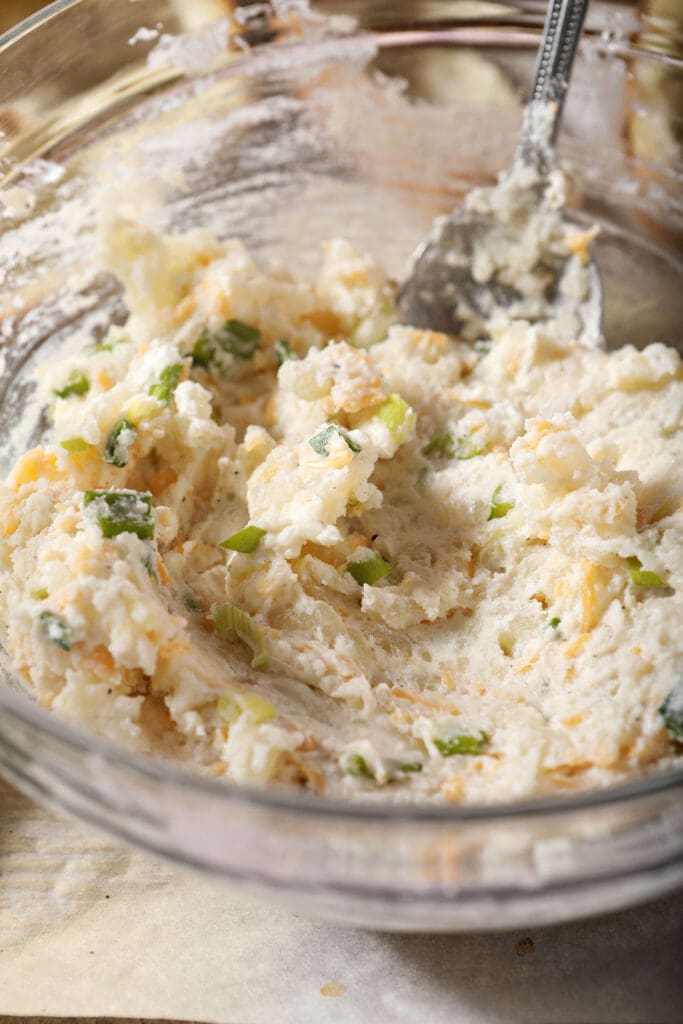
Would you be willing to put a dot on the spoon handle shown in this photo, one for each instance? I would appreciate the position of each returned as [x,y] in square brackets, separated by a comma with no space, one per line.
[561,34]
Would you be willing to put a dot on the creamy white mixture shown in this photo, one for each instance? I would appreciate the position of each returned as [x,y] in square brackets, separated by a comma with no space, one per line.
[282,539]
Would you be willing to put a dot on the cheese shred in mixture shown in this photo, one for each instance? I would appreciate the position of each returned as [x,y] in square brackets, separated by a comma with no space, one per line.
[283,539]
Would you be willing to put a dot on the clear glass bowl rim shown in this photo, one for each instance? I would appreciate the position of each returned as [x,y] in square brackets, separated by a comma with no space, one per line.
[617,48]
[167,773]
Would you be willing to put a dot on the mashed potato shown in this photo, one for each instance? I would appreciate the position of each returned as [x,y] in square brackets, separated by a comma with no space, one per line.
[283,539]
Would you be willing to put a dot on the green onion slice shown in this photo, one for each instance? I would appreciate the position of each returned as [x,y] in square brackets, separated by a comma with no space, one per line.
[442,446]
[234,337]
[239,339]
[190,602]
[40,595]
[168,382]
[150,563]
[109,346]
[672,713]
[77,384]
[397,415]
[499,509]
[245,541]
[356,765]
[411,766]
[116,449]
[76,445]
[203,351]
[257,709]
[56,631]
[470,448]
[554,623]
[320,443]
[228,707]
[230,619]
[121,512]
[283,352]
[641,577]
[461,744]
[370,571]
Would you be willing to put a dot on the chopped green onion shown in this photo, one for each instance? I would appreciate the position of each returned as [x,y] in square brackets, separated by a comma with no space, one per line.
[353,445]
[240,340]
[150,563]
[234,337]
[56,631]
[246,540]
[40,595]
[554,623]
[321,442]
[190,602]
[370,571]
[398,417]
[76,445]
[144,408]
[203,351]
[357,766]
[257,709]
[228,708]
[77,384]
[121,512]
[441,446]
[283,352]
[168,382]
[672,713]
[469,449]
[229,619]
[461,744]
[499,509]
[109,346]
[115,450]
[641,577]
[411,766]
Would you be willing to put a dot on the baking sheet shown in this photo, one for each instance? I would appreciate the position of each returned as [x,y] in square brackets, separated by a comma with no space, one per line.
[91,929]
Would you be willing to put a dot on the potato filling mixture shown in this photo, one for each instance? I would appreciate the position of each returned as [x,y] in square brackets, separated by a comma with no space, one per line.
[281,538]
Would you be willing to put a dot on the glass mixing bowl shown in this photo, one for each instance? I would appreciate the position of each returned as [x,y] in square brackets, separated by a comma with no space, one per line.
[286,127]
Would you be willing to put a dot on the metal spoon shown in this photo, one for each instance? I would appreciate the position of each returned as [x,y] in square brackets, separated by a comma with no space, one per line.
[459,280]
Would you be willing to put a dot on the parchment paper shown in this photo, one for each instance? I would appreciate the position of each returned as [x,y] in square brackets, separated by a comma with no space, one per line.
[91,929]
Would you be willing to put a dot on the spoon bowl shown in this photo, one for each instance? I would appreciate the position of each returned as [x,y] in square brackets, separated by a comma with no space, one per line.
[511,252]
[442,292]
